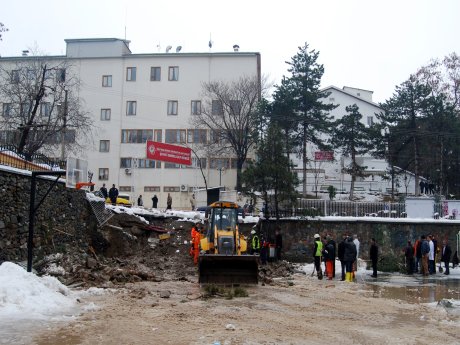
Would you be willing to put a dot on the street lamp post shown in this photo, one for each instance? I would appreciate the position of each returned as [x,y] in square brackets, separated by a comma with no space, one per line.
[220,175]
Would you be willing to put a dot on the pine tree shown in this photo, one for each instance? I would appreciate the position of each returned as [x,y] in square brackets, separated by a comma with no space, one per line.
[310,112]
[272,171]
[404,112]
[351,138]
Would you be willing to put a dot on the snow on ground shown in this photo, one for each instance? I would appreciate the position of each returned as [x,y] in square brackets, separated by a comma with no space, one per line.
[24,295]
[28,301]
[186,216]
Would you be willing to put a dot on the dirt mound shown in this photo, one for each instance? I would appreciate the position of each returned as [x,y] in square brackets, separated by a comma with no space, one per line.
[130,250]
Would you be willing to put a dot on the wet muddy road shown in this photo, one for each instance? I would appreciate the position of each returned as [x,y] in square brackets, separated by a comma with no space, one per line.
[300,310]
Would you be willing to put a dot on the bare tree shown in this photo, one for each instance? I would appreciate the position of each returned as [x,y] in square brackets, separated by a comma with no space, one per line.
[443,77]
[230,113]
[2,29]
[41,108]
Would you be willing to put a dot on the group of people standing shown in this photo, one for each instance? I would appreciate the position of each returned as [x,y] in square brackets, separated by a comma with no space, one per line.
[347,251]
[422,256]
[427,187]
[112,193]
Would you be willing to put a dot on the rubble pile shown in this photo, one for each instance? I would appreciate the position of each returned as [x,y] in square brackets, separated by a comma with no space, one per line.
[130,250]
[127,251]
[276,269]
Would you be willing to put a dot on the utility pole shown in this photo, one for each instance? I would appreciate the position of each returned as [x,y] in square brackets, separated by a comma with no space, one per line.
[64,125]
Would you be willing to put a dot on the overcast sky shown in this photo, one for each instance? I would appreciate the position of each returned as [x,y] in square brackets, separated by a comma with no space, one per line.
[368,44]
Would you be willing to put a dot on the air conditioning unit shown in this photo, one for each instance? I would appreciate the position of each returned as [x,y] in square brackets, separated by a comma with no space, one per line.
[128,171]
[183,187]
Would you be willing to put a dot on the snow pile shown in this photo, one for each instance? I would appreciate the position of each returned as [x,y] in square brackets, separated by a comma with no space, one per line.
[24,294]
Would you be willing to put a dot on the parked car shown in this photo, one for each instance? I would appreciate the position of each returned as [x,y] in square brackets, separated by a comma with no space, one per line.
[122,200]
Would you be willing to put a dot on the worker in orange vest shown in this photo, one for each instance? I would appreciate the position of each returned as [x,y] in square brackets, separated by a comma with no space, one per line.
[196,245]
[192,239]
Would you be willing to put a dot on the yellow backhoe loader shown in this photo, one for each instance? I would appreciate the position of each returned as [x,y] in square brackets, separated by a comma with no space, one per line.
[223,258]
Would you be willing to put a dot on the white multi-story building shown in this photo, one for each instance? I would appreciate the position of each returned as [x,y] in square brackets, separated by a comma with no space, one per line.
[322,173]
[133,98]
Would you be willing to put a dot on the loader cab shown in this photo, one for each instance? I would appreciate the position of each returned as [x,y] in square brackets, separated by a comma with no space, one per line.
[222,218]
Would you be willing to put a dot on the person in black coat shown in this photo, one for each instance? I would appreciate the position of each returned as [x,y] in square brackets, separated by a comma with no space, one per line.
[374,255]
[446,254]
[340,254]
[154,201]
[349,256]
[104,191]
[278,243]
[329,257]
[113,194]
[409,255]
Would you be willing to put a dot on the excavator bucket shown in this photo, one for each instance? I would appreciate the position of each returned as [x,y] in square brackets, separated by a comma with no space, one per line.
[228,269]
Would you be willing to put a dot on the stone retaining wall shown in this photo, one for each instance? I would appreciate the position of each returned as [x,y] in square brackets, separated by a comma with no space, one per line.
[391,237]
[62,219]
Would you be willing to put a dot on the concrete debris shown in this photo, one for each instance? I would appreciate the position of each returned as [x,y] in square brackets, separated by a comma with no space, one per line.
[126,252]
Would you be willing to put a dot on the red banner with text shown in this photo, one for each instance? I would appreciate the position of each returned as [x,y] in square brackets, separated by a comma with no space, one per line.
[324,156]
[169,153]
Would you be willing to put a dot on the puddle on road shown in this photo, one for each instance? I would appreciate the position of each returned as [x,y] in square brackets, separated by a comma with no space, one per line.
[415,289]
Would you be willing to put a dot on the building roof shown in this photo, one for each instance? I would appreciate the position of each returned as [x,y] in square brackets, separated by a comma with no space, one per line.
[331,87]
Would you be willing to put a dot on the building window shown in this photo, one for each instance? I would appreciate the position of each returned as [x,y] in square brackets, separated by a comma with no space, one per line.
[196,163]
[155,73]
[157,134]
[172,107]
[131,74]
[104,145]
[103,174]
[370,120]
[25,108]
[15,76]
[196,107]
[148,164]
[105,114]
[175,136]
[151,189]
[131,107]
[216,136]
[173,74]
[7,109]
[217,163]
[217,108]
[45,109]
[107,81]
[129,162]
[197,136]
[60,75]
[235,107]
[171,189]
[234,163]
[31,74]
[136,136]
[172,165]
[125,189]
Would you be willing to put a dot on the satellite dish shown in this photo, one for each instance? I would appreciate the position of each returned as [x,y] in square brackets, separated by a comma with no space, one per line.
[178,49]
[168,48]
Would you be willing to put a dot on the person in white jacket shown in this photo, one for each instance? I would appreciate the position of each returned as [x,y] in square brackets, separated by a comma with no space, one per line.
[431,264]
[355,264]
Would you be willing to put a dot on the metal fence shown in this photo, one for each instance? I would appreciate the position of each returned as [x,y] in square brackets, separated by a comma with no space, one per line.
[318,207]
[36,162]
